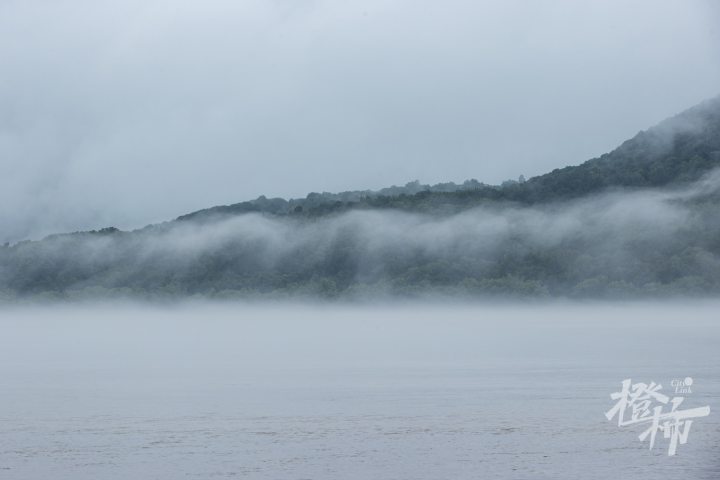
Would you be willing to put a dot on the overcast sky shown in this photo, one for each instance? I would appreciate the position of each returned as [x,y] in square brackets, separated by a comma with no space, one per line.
[126,113]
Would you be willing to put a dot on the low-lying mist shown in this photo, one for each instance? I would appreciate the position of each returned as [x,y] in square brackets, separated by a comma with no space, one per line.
[619,243]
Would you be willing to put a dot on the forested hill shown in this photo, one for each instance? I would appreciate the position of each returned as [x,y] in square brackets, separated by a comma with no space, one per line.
[680,149]
[642,220]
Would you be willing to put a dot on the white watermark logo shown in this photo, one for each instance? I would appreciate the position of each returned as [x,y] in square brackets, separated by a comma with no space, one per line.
[682,386]
[644,404]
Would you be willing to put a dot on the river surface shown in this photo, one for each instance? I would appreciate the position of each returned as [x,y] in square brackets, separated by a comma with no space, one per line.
[350,392]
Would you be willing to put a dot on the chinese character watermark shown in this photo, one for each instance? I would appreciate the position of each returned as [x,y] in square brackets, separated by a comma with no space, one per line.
[642,403]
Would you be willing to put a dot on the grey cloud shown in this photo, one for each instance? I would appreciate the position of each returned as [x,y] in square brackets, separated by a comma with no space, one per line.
[126,113]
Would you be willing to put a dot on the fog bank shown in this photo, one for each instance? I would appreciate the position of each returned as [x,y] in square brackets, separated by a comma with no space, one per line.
[618,243]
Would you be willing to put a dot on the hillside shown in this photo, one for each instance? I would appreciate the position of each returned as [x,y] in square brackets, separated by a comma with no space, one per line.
[642,220]
[679,149]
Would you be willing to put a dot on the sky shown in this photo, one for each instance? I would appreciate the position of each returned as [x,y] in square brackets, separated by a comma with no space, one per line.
[134,112]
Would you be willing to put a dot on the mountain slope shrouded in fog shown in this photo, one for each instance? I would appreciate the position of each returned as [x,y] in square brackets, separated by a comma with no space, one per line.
[680,149]
[640,220]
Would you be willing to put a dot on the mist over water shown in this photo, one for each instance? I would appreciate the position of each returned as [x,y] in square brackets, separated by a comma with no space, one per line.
[416,391]
[431,319]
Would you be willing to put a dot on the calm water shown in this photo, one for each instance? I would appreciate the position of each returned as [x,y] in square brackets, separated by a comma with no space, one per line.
[300,392]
